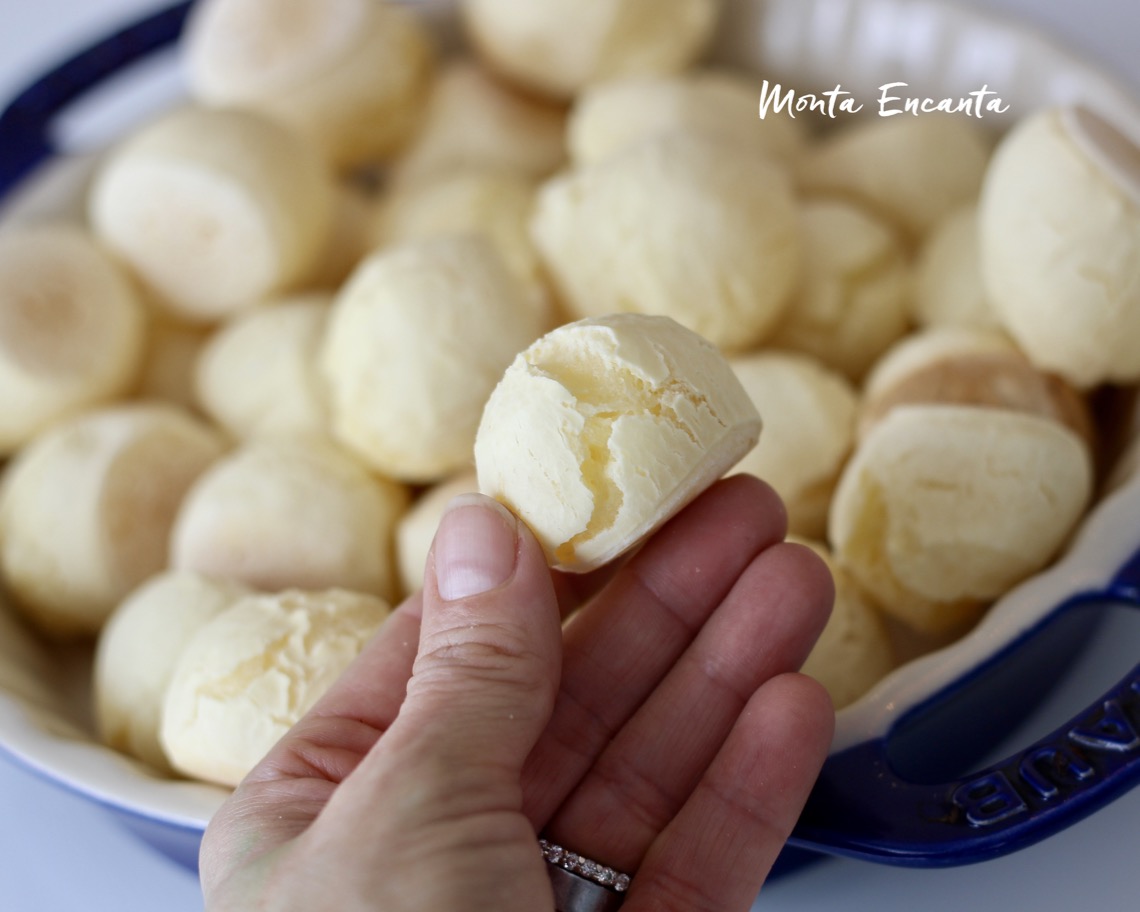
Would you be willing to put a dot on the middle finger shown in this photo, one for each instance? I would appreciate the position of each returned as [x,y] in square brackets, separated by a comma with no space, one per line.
[624,642]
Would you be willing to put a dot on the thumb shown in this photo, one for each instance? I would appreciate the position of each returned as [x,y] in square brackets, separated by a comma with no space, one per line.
[489,660]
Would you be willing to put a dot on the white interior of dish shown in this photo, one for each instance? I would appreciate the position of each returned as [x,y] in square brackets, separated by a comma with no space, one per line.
[940,51]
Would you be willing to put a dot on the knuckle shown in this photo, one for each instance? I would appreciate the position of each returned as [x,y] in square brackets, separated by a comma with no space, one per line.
[491,654]
[642,798]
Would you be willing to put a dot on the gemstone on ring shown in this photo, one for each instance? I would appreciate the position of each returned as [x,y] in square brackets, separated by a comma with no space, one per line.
[584,867]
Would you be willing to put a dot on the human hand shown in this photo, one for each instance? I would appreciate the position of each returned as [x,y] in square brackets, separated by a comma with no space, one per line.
[663,733]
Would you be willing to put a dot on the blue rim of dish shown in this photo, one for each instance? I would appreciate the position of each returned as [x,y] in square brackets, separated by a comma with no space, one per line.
[1061,778]
[963,821]
[25,124]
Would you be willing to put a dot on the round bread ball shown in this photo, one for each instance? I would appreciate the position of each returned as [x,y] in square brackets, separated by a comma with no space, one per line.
[473,120]
[348,75]
[854,651]
[960,366]
[809,430]
[213,210]
[417,528]
[719,104]
[416,342]
[1060,234]
[558,47]
[912,171]
[678,226]
[282,513]
[86,510]
[605,428]
[137,650]
[258,375]
[854,301]
[72,329]
[948,287]
[250,674]
[944,508]
[491,203]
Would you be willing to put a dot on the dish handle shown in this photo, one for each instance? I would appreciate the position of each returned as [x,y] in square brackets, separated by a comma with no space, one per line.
[26,124]
[863,807]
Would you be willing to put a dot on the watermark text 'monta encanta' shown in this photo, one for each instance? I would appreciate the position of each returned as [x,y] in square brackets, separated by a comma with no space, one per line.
[834,102]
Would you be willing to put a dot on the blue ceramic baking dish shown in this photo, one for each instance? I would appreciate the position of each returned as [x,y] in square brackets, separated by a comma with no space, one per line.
[900,786]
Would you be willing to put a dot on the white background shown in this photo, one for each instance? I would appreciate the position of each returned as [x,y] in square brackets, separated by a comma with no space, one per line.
[58,853]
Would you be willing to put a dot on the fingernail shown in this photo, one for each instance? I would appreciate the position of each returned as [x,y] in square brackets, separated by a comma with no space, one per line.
[475,548]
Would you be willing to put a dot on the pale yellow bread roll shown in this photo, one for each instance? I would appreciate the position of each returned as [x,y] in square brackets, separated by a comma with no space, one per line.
[86,509]
[558,47]
[416,530]
[136,653]
[962,366]
[943,508]
[948,286]
[854,651]
[681,226]
[809,429]
[473,120]
[416,341]
[720,104]
[853,302]
[213,210]
[1060,237]
[253,671]
[349,75]
[258,373]
[605,428]
[910,170]
[493,203]
[72,328]
[291,512]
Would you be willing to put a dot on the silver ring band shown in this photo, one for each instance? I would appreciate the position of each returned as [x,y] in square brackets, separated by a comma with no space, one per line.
[582,885]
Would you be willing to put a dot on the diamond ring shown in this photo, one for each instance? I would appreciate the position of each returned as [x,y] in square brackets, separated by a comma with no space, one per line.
[582,885]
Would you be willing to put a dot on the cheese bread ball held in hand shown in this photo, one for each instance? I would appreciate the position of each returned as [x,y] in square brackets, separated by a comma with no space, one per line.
[137,650]
[612,116]
[416,342]
[86,509]
[909,170]
[943,508]
[473,120]
[1060,233]
[283,512]
[685,227]
[349,75]
[72,328]
[214,210]
[854,300]
[948,287]
[960,366]
[416,531]
[253,671]
[854,651]
[558,47]
[605,428]
[809,428]
[493,203]
[258,373]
